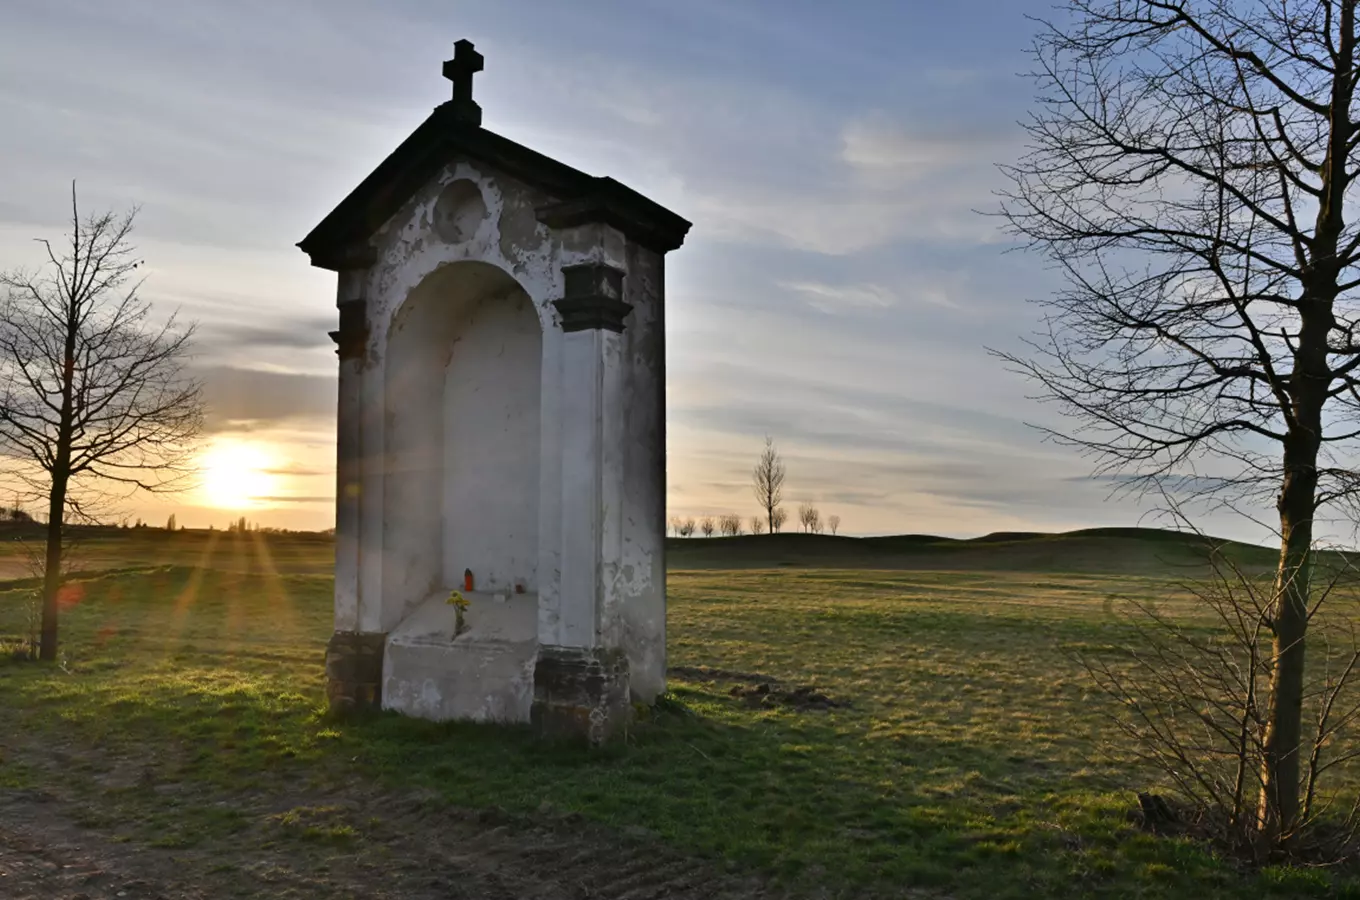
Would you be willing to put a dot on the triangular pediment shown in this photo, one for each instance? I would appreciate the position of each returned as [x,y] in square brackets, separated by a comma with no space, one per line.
[341,240]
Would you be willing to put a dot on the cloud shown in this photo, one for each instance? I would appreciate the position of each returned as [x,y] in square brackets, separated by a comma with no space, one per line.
[241,399]
[881,182]
[838,298]
[297,470]
[760,162]
[831,297]
[877,146]
[229,338]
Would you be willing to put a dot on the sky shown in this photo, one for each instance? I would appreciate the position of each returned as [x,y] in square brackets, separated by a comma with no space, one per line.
[839,289]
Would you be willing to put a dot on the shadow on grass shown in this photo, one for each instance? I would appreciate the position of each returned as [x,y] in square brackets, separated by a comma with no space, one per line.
[792,795]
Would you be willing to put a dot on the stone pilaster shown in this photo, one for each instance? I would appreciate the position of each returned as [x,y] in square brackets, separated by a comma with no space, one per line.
[353,658]
[350,345]
[581,675]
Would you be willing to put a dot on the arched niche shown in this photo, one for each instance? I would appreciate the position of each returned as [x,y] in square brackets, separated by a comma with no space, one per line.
[462,393]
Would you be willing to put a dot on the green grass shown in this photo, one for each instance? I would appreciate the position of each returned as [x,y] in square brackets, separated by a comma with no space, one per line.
[971,760]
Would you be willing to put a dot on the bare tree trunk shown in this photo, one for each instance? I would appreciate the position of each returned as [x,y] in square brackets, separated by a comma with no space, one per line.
[52,572]
[1310,383]
[1297,504]
[60,470]
[1279,809]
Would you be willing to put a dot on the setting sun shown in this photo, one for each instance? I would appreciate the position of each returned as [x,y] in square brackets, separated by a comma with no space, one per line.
[236,476]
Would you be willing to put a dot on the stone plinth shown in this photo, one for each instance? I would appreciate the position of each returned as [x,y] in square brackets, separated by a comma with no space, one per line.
[485,674]
[581,693]
[354,667]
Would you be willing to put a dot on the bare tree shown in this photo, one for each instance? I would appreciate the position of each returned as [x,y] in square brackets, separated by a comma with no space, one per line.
[687,527]
[810,518]
[758,525]
[707,526]
[1191,168]
[767,481]
[729,525]
[95,402]
[777,520]
[676,522]
[834,523]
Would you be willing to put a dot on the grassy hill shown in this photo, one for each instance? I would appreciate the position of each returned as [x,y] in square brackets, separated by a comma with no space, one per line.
[1097,550]
[1119,551]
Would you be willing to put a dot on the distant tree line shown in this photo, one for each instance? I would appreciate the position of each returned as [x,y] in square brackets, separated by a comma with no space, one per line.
[767,483]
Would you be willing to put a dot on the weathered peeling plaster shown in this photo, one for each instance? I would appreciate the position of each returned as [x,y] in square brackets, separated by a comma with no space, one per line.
[467,214]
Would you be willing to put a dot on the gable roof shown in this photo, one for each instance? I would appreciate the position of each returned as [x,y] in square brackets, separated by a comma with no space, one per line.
[341,239]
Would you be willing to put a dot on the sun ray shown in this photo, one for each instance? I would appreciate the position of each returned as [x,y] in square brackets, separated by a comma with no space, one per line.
[281,604]
[189,595]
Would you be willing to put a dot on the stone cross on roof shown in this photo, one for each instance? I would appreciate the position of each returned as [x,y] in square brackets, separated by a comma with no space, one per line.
[466,62]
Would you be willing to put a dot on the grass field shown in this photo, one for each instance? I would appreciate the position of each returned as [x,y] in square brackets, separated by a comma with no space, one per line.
[970,761]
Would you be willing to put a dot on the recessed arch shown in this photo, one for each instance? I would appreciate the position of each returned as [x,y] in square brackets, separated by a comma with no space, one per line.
[463,383]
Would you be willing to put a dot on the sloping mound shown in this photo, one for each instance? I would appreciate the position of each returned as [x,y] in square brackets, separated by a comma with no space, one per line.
[1096,550]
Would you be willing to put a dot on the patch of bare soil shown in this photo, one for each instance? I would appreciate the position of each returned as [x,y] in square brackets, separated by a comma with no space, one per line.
[708,673]
[802,697]
[74,842]
[760,690]
[43,858]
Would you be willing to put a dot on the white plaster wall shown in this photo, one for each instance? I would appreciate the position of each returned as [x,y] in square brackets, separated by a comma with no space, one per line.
[347,487]
[412,525]
[575,620]
[374,615]
[491,445]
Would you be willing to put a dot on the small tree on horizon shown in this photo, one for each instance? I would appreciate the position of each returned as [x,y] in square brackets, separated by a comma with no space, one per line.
[95,400]
[834,523]
[767,482]
[707,526]
[758,525]
[810,518]
[781,515]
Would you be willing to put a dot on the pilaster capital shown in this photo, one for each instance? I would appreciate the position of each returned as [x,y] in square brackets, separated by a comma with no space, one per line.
[592,298]
[352,336]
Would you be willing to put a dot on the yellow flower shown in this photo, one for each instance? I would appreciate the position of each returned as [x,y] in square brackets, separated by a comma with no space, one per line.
[458,600]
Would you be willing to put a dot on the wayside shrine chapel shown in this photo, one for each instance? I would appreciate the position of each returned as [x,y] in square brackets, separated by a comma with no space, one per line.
[501,432]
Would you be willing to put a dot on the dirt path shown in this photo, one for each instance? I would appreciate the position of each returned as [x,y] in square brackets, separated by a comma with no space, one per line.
[42,863]
[352,844]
